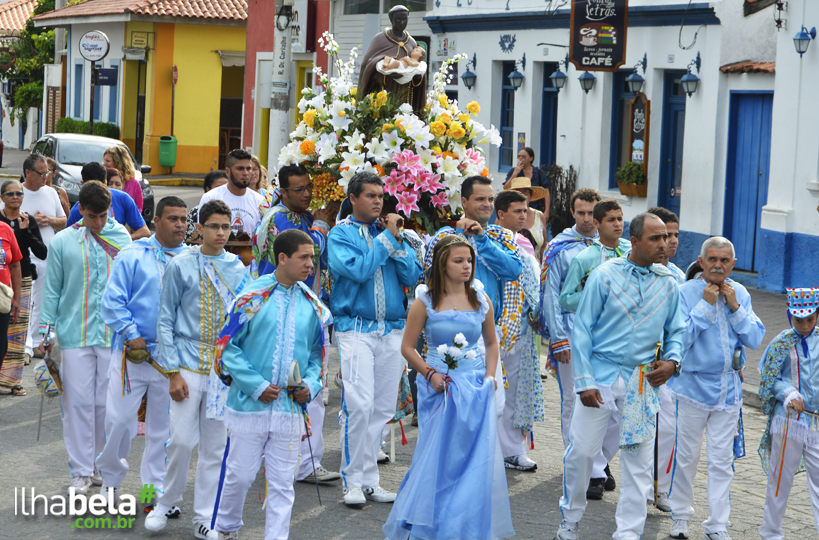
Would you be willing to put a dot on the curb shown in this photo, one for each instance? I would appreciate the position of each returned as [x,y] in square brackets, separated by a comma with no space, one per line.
[190,182]
[6,175]
[750,396]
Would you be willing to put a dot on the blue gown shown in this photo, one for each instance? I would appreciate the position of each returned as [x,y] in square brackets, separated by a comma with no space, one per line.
[455,488]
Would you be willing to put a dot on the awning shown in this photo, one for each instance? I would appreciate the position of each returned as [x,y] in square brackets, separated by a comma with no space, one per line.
[232,58]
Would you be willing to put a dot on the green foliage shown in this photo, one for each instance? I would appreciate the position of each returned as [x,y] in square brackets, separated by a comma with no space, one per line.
[26,96]
[564,184]
[631,173]
[102,129]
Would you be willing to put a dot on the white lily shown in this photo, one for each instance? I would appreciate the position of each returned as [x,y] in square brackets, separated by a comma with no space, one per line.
[326,146]
[346,176]
[392,141]
[377,150]
[353,160]
[355,140]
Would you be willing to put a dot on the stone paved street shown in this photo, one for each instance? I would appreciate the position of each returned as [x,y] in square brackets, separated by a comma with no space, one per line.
[27,463]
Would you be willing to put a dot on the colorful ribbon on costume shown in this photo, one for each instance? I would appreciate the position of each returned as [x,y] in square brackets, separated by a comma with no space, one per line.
[110,248]
[291,392]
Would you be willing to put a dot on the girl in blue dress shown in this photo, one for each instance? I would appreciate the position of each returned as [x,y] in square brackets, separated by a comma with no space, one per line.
[455,488]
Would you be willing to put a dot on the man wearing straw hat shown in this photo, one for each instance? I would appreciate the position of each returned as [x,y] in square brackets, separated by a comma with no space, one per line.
[535,224]
[720,322]
[790,399]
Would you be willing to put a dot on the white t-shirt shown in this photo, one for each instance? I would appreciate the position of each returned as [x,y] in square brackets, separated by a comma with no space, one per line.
[244,208]
[46,201]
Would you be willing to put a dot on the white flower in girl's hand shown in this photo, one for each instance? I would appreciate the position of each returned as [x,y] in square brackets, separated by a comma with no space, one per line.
[470,355]
[460,340]
[455,352]
[443,349]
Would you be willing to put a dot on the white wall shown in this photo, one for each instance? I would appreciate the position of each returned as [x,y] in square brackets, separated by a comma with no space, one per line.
[793,191]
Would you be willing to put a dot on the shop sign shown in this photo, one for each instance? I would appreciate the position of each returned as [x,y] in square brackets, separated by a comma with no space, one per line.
[638,138]
[598,31]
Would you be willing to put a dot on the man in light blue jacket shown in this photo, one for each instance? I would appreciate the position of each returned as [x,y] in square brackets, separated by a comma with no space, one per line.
[720,324]
[274,331]
[129,309]
[371,262]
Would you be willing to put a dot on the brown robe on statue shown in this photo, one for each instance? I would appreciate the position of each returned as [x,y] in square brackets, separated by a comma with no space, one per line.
[370,80]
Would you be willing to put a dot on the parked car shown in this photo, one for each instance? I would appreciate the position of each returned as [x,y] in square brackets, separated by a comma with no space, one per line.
[72,151]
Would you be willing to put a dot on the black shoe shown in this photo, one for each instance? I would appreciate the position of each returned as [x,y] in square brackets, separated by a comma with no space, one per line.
[610,483]
[595,491]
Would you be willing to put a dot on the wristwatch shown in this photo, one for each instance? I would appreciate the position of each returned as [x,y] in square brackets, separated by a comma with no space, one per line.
[677,366]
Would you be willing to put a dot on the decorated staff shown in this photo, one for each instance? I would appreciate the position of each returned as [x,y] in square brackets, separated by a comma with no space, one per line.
[80,259]
[708,393]
[790,399]
[275,320]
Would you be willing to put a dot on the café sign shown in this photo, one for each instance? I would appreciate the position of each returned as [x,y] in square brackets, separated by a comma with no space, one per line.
[598,30]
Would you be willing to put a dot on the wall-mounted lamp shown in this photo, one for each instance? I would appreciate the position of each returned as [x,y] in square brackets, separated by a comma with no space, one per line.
[587,80]
[516,77]
[689,81]
[635,81]
[284,16]
[559,78]
[468,77]
[802,40]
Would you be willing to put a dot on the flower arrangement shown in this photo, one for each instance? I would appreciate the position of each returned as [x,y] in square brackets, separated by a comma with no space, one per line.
[423,157]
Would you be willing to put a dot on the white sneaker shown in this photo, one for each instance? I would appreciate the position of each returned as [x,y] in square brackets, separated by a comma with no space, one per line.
[96,478]
[721,535]
[379,494]
[679,529]
[203,533]
[383,457]
[104,492]
[353,496]
[80,484]
[323,476]
[521,463]
[325,396]
[662,502]
[567,530]
[156,521]
[337,379]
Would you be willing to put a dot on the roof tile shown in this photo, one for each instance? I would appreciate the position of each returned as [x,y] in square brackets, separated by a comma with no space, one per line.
[196,9]
[747,66]
[15,14]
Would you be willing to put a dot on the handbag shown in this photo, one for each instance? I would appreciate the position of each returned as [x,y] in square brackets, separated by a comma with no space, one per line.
[6,294]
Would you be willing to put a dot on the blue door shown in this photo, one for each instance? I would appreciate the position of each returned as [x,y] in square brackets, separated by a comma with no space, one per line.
[671,143]
[507,120]
[746,180]
[548,119]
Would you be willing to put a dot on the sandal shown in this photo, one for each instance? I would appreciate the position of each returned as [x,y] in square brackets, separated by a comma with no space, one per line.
[18,391]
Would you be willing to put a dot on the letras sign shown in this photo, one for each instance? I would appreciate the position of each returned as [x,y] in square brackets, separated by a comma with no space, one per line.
[598,32]
[638,140]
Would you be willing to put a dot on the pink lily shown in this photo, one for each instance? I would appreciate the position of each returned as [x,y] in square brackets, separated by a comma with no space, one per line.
[429,182]
[407,202]
[394,182]
[408,161]
[439,200]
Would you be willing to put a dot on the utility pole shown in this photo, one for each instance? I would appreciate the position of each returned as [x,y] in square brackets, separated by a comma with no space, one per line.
[280,84]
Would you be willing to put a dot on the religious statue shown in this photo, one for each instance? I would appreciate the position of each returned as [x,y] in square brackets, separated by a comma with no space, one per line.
[394,62]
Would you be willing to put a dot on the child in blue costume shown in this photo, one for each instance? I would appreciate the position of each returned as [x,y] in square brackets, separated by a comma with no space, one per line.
[455,488]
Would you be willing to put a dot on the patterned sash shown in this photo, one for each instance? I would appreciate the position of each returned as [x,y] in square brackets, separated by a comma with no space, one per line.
[110,247]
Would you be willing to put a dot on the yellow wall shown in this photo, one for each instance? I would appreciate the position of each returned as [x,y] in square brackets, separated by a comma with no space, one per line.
[158,84]
[199,91]
[129,89]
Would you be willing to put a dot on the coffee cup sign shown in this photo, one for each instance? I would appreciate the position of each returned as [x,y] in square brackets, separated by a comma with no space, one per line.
[94,46]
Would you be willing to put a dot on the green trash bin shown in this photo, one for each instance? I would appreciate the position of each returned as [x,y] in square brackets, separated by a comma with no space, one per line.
[167,151]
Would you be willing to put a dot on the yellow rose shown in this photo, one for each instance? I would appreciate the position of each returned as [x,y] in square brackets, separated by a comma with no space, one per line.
[309,117]
[456,130]
[399,124]
[353,102]
[464,118]
[437,128]
[473,107]
[437,150]
[353,91]
[386,127]
[381,99]
[445,118]
[442,99]
[307,147]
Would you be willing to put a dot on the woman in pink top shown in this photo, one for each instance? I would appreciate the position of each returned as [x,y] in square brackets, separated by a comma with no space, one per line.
[117,158]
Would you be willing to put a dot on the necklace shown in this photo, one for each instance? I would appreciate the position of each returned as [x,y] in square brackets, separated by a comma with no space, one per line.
[451,303]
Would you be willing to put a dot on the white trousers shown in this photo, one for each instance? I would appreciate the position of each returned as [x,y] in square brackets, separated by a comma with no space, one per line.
[512,440]
[771,528]
[84,373]
[190,427]
[33,339]
[316,411]
[121,423]
[666,435]
[720,427]
[589,429]
[371,368]
[565,381]
[281,461]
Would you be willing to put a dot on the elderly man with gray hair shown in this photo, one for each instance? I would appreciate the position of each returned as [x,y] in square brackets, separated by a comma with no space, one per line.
[720,323]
